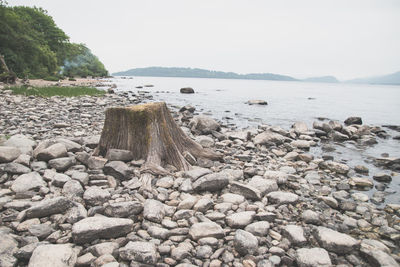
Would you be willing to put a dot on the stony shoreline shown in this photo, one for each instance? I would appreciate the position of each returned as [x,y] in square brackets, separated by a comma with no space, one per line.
[271,203]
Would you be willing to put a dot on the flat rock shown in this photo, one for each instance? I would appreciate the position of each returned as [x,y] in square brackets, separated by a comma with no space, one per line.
[123,209]
[57,150]
[240,219]
[49,207]
[295,234]
[62,164]
[269,138]
[279,176]
[245,243]
[378,257]
[335,241]
[257,102]
[153,210]
[15,168]
[206,229]
[313,257]
[211,182]
[8,153]
[258,228]
[280,197]
[118,169]
[247,191]
[23,143]
[196,173]
[95,196]
[302,144]
[62,255]
[119,155]
[361,182]
[28,182]
[232,198]
[143,252]
[265,186]
[204,125]
[337,167]
[93,228]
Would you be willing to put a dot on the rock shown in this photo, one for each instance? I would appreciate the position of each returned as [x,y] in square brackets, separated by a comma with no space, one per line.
[247,191]
[337,167]
[48,207]
[16,168]
[119,155]
[211,182]
[335,241]
[41,231]
[196,173]
[240,219]
[57,150]
[118,169]
[257,102]
[353,120]
[295,234]
[22,142]
[53,256]
[205,141]
[311,217]
[258,228]
[279,176]
[96,163]
[232,198]
[8,153]
[206,229]
[280,197]
[378,257]
[71,146]
[312,257]
[245,243]
[361,182]
[60,179]
[187,90]
[123,209]
[361,169]
[269,138]
[28,182]
[153,210]
[95,196]
[302,144]
[338,137]
[143,252]
[8,246]
[187,203]
[73,189]
[165,182]
[93,228]
[265,186]
[189,108]
[204,125]
[382,177]
[62,164]
[92,141]
[300,127]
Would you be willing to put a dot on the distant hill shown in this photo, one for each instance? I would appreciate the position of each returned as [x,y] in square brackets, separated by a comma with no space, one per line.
[322,79]
[200,73]
[393,79]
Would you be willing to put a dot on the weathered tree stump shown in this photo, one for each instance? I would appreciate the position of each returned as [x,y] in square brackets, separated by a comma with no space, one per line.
[150,132]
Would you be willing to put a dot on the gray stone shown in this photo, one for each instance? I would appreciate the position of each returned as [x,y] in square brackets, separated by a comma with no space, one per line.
[123,209]
[96,163]
[103,248]
[186,90]
[206,229]
[119,155]
[62,164]
[258,228]
[91,141]
[295,234]
[232,198]
[8,153]
[23,159]
[15,168]
[187,203]
[118,169]
[73,188]
[153,210]
[59,179]
[312,257]
[302,144]
[196,173]
[57,150]
[143,252]
[269,138]
[53,256]
[71,146]
[335,241]
[382,177]
[279,176]
[337,167]
[204,252]
[41,231]
[257,102]
[165,182]
[353,120]
[240,219]
[378,257]
[27,182]
[247,191]
[211,182]
[48,207]
[93,228]
[338,137]
[203,125]
[280,197]
[205,141]
[95,196]
[8,246]
[245,243]
[311,217]
[265,186]
[22,142]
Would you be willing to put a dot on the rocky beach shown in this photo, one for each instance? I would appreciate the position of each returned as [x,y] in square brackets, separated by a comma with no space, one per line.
[269,202]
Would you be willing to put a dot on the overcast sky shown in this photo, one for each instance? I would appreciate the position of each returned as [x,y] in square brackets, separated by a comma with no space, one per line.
[344,38]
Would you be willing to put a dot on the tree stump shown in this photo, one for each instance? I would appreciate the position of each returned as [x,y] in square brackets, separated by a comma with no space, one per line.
[150,132]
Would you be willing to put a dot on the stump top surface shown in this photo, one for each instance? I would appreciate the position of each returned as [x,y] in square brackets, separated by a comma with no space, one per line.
[147,106]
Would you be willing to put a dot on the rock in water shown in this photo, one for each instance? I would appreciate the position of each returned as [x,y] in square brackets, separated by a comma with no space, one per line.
[53,256]
[92,228]
[312,257]
[187,90]
[353,120]
[257,102]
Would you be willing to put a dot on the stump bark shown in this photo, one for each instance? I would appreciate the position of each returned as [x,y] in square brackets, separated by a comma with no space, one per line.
[150,132]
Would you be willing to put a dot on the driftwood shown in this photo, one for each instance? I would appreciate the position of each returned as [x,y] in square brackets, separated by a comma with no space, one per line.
[7,76]
[150,132]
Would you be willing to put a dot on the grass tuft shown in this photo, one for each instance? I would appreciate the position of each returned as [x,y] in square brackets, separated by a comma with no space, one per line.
[49,91]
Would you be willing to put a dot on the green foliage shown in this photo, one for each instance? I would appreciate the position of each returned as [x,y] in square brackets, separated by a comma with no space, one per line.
[49,91]
[33,46]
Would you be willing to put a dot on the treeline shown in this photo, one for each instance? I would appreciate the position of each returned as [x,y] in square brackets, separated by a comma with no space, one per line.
[201,73]
[33,46]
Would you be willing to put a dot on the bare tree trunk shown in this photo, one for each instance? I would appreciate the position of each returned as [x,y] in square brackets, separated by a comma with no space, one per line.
[150,132]
[3,63]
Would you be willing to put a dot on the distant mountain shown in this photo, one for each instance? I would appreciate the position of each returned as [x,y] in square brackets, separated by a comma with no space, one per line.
[322,79]
[200,73]
[393,79]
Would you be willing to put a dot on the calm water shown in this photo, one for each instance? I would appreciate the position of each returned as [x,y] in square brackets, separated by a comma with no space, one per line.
[288,102]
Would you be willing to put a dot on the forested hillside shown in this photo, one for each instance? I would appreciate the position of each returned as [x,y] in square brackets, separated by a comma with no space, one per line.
[33,46]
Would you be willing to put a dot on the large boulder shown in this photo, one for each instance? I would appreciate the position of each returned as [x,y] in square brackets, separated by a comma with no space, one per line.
[23,143]
[62,255]
[269,138]
[203,125]
[92,228]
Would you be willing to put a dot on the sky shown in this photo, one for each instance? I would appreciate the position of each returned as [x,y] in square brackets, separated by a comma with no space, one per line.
[344,38]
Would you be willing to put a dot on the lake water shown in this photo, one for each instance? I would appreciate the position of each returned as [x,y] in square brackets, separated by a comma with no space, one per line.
[288,102]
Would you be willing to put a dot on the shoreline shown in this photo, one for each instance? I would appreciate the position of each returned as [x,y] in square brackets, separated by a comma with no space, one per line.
[286,202]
